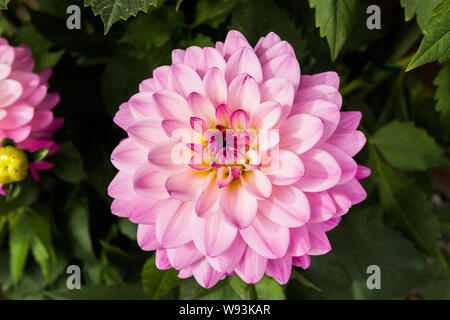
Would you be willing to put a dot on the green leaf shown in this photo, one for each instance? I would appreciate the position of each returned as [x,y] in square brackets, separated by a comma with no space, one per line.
[127,228]
[19,243]
[157,283]
[422,9]
[256,18]
[408,207]
[244,290]
[442,96]
[68,164]
[437,290]
[38,155]
[4,4]
[213,12]
[402,266]
[41,256]
[112,11]
[300,278]
[435,45]
[178,5]
[408,147]
[336,19]
[269,289]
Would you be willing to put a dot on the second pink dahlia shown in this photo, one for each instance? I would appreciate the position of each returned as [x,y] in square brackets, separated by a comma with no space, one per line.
[26,115]
[235,163]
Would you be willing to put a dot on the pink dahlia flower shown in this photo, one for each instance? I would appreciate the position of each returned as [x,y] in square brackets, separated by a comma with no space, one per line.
[235,163]
[25,104]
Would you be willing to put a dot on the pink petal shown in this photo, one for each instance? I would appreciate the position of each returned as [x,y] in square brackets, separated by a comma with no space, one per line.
[278,49]
[267,115]
[177,129]
[119,208]
[267,42]
[123,117]
[350,141]
[300,132]
[346,163]
[49,102]
[321,171]
[184,80]
[142,210]
[37,96]
[186,185]
[245,61]
[327,111]
[121,187]
[161,76]
[149,182]
[141,106]
[223,114]
[300,243]
[362,173]
[280,269]
[183,256]
[206,202]
[148,85]
[205,275]
[201,107]
[319,92]
[267,238]
[146,237]
[162,261]
[127,156]
[239,119]
[234,41]
[228,260]
[350,119]
[18,134]
[279,90]
[210,58]
[319,241]
[288,207]
[173,228]
[330,78]
[286,169]
[5,70]
[243,93]
[283,66]
[171,105]
[238,206]
[257,184]
[252,267]
[147,132]
[170,156]
[212,235]
[192,56]
[10,91]
[178,56]
[215,86]
[6,54]
[341,201]
[353,191]
[303,262]
[322,206]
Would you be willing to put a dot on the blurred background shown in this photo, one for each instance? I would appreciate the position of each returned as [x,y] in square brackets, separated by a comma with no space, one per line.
[403,226]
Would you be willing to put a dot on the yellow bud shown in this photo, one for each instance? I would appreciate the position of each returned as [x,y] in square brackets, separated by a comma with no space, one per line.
[13,164]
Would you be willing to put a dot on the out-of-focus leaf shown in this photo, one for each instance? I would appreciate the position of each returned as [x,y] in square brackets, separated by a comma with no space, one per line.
[40,46]
[4,4]
[41,256]
[244,290]
[112,11]
[300,278]
[19,242]
[421,9]
[122,77]
[336,19]
[437,290]
[442,96]
[157,283]
[179,2]
[408,147]
[68,163]
[256,18]
[213,12]
[127,228]
[407,207]
[123,291]
[268,289]
[435,45]
[221,293]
